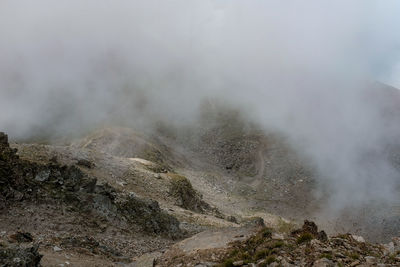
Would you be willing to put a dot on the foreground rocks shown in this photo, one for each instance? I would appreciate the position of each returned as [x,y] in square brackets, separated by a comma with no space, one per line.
[303,247]
[308,247]
[17,255]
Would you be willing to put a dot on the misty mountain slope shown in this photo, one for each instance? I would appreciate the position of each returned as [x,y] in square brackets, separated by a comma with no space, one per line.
[236,170]
[126,175]
[217,174]
[295,184]
[230,156]
[61,206]
[282,183]
[129,175]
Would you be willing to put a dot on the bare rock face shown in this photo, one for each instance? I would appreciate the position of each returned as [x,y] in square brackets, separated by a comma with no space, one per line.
[24,180]
[8,178]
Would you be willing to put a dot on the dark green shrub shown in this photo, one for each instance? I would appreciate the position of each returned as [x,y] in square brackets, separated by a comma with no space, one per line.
[305,237]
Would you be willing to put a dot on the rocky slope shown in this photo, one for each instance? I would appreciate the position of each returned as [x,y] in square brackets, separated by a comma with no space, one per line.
[262,246]
[62,206]
[116,197]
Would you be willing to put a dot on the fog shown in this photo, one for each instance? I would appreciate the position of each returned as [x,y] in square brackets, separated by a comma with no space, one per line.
[298,67]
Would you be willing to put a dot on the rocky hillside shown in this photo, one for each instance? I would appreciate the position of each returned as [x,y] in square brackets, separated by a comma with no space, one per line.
[84,206]
[222,194]
[62,207]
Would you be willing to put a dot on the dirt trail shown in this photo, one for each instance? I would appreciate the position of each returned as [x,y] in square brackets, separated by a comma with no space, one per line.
[256,181]
[214,238]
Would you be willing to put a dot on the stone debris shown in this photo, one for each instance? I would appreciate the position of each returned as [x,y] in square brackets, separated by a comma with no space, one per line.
[111,211]
[16,255]
[303,247]
[57,249]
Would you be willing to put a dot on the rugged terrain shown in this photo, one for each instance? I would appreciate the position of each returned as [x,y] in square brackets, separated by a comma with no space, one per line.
[224,193]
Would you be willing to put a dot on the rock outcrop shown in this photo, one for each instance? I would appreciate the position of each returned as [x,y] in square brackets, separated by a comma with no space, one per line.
[184,194]
[21,180]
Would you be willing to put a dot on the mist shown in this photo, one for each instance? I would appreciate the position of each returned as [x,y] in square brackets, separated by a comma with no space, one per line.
[299,68]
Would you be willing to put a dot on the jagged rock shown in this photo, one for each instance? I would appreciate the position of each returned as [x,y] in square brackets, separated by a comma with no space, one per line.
[24,180]
[19,257]
[21,179]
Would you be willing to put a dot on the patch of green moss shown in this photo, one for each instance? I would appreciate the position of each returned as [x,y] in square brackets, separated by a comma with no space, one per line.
[354,255]
[305,237]
[278,244]
[261,254]
[260,237]
[227,263]
[270,259]
[326,256]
